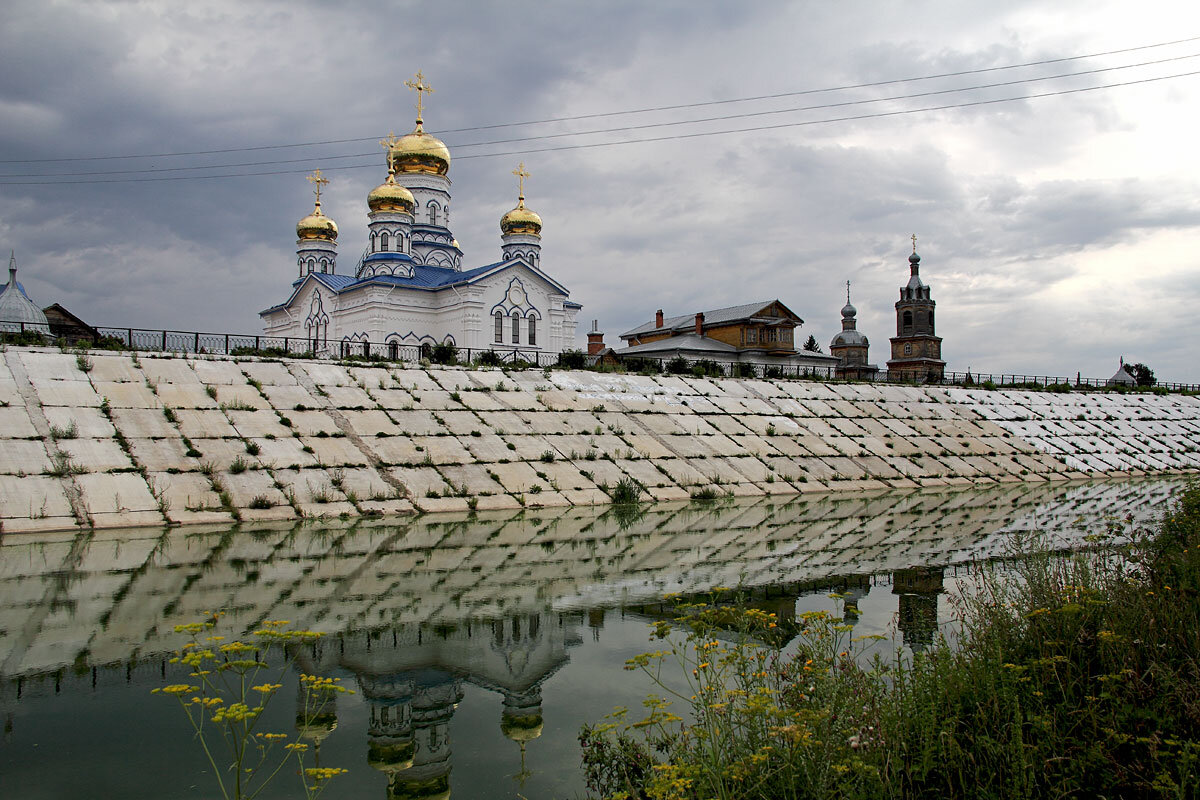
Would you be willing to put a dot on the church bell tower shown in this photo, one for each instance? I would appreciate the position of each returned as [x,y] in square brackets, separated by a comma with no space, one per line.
[916,351]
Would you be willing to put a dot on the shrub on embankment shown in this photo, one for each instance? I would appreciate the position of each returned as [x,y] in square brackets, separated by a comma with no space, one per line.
[1076,676]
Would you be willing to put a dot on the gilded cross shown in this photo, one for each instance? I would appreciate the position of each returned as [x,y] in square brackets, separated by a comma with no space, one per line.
[914,238]
[320,180]
[387,144]
[420,87]
[521,176]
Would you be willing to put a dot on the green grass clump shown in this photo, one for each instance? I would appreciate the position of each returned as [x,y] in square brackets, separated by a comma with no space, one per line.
[1077,676]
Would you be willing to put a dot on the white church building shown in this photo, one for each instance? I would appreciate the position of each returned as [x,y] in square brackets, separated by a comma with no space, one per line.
[409,289]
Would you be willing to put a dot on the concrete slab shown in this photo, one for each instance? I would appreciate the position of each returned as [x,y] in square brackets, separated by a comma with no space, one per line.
[95,455]
[417,423]
[282,454]
[204,424]
[160,455]
[268,373]
[187,493]
[518,477]
[286,397]
[218,372]
[348,397]
[115,368]
[481,401]
[66,393]
[241,397]
[258,424]
[128,395]
[421,481]
[325,375]
[372,423]
[167,370]
[443,449]
[87,422]
[473,478]
[397,450]
[648,446]
[221,453]
[23,457]
[119,493]
[364,483]
[529,448]
[336,451]
[247,487]
[184,396]
[136,423]
[311,423]
[32,497]
[48,366]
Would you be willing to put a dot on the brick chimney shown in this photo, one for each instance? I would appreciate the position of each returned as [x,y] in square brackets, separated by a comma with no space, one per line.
[700,324]
[595,338]
[658,319]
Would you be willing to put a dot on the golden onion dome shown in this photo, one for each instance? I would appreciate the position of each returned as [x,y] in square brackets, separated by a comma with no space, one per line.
[521,220]
[391,196]
[317,226]
[420,153]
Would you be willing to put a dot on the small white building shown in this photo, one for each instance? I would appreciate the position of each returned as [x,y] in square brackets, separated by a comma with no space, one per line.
[409,288]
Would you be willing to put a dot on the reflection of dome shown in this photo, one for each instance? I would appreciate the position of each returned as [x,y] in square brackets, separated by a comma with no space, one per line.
[391,757]
[391,196]
[420,153]
[430,789]
[521,220]
[316,726]
[521,728]
[317,226]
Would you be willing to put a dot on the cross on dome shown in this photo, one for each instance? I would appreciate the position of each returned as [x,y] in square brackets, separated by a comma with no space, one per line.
[914,238]
[521,176]
[420,87]
[847,292]
[320,180]
[387,145]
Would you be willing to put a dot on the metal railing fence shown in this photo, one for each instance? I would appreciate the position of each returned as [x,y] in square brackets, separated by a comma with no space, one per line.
[235,344]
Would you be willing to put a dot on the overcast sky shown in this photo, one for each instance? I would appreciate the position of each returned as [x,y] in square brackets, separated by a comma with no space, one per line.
[1057,233]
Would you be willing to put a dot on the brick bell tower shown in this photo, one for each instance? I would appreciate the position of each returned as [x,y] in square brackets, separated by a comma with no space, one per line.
[916,351]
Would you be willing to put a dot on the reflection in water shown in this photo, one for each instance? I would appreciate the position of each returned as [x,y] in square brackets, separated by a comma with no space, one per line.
[417,610]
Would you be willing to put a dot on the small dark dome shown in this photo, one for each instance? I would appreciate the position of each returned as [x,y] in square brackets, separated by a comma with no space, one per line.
[914,258]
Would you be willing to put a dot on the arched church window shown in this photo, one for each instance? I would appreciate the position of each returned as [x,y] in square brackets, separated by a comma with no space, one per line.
[384,241]
[532,330]
[499,328]
[312,265]
[907,321]
[433,214]
[372,241]
[516,329]
[401,247]
[931,320]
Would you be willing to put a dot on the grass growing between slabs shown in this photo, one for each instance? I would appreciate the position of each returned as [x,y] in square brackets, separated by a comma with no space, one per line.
[1075,676]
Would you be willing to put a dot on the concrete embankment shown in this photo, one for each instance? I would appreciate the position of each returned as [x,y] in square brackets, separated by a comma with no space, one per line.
[115,440]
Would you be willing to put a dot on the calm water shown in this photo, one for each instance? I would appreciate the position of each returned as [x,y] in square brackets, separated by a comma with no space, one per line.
[450,628]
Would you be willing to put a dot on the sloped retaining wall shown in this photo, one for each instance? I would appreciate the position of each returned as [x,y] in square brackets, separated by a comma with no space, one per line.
[111,440]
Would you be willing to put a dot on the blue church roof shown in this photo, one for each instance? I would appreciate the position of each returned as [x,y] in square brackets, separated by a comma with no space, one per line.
[20,288]
[424,277]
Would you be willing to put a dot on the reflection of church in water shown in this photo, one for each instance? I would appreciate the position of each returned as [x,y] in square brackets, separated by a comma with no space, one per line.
[412,677]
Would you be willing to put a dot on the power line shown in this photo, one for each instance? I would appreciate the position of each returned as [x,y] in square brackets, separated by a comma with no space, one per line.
[700,134]
[598,115]
[625,129]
